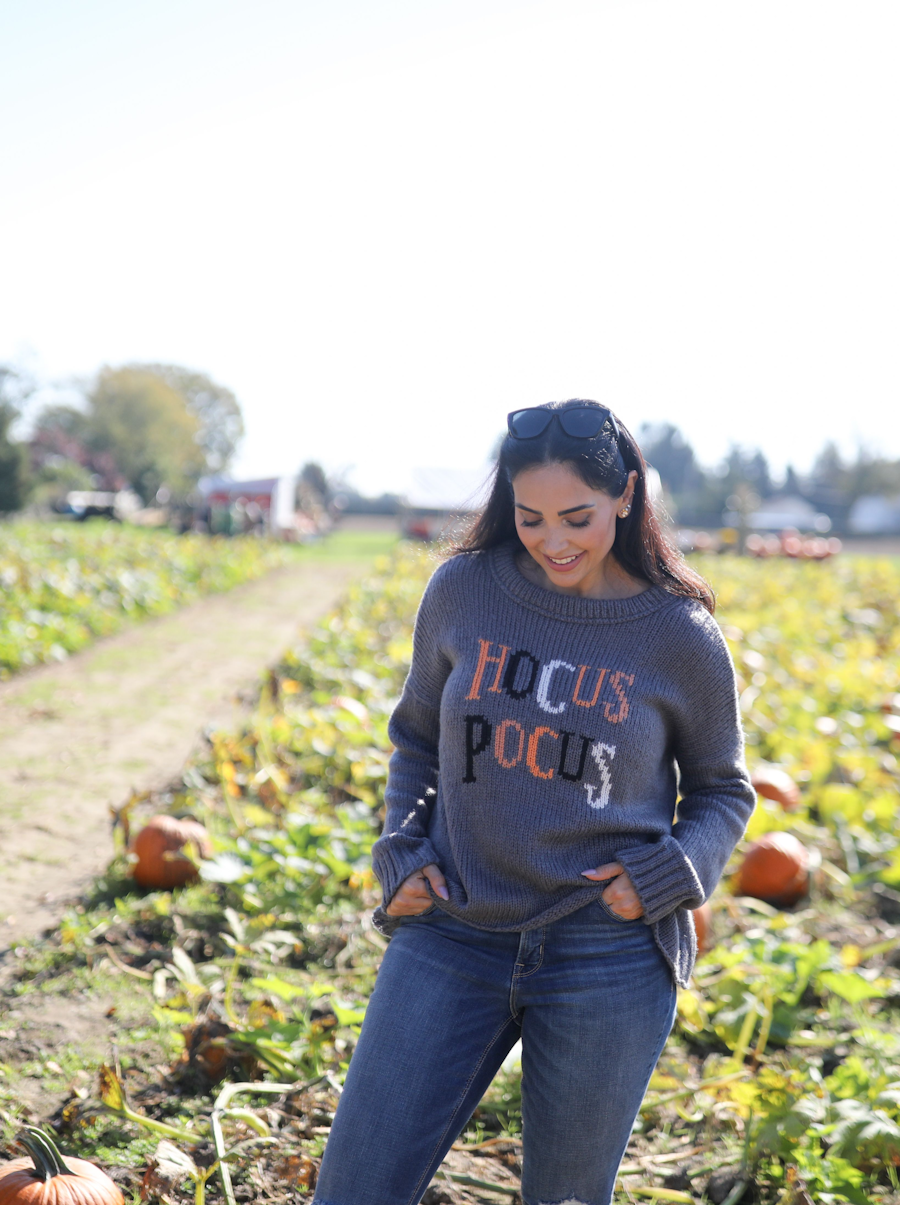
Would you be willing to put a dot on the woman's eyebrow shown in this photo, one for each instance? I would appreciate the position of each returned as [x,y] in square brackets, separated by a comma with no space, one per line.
[560,513]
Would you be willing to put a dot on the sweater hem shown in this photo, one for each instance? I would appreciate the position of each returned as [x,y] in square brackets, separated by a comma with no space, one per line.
[387,925]
[563,907]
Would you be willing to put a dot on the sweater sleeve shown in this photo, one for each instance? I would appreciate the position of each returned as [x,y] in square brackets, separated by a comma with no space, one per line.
[414,729]
[717,799]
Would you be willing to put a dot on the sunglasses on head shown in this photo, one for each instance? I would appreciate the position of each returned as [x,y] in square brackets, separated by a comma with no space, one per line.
[579,422]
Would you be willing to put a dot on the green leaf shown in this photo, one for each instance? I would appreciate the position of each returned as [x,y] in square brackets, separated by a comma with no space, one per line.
[347,1015]
[171,1016]
[850,986]
[273,986]
[110,1088]
[859,1125]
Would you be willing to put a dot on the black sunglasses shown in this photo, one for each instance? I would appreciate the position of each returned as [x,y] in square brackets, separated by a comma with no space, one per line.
[579,422]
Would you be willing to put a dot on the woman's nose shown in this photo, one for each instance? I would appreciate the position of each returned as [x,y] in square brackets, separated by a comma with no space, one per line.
[555,540]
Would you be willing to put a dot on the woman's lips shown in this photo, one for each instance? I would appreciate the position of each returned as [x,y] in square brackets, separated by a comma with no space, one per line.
[568,566]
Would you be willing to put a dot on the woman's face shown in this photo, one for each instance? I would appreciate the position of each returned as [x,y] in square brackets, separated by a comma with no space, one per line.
[569,528]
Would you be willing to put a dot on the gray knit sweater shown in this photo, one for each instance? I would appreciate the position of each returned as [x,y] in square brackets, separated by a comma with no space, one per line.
[541,734]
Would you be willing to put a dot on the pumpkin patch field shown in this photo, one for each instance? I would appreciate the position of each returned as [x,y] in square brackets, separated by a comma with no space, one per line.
[223,1012]
[64,584]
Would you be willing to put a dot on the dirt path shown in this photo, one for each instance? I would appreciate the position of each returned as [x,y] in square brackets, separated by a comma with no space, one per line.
[76,738]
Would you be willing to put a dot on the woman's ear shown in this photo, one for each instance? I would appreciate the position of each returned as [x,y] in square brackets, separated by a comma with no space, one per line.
[628,492]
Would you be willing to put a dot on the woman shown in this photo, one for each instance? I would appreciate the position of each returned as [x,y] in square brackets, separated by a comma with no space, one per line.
[568,683]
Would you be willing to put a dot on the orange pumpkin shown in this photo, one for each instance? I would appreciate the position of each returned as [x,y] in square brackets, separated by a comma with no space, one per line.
[772,783]
[160,850]
[775,869]
[44,1178]
[703,925]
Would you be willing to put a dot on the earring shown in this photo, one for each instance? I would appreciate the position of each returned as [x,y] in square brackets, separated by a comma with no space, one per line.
[623,514]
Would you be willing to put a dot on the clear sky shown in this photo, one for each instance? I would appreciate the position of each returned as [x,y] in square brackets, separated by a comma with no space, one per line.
[384,223]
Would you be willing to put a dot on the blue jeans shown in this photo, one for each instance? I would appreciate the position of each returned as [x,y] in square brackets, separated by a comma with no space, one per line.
[591,998]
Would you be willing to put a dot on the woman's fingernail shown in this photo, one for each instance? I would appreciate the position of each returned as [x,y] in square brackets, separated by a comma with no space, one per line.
[588,873]
[443,893]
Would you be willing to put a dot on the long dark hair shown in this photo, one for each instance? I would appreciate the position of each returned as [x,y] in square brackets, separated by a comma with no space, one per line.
[602,463]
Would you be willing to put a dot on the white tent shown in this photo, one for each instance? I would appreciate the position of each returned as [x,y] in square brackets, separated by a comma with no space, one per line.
[450,491]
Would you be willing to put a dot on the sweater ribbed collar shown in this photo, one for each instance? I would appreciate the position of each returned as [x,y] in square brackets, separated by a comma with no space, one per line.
[554,605]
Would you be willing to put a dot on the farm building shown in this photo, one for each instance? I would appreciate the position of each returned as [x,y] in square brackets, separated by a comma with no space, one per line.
[782,511]
[874,514]
[267,505]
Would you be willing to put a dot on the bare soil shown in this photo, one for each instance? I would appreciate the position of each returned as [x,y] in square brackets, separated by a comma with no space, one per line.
[77,738]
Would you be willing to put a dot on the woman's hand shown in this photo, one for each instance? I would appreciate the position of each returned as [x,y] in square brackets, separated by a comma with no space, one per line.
[620,896]
[412,897]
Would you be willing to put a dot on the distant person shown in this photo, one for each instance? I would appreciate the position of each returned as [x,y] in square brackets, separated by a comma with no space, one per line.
[568,681]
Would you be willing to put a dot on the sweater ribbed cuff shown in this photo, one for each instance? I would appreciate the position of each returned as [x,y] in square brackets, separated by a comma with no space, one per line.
[396,857]
[663,878]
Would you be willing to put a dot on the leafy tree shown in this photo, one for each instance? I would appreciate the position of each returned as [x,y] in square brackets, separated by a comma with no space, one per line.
[742,467]
[792,483]
[143,425]
[14,389]
[827,485]
[743,475]
[216,409]
[828,470]
[759,475]
[666,449]
[872,475]
[56,478]
[13,461]
[60,432]
[61,458]
[314,481]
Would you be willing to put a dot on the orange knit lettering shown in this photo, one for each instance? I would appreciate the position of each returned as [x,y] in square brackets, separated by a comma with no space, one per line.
[531,757]
[614,682]
[601,674]
[497,689]
[500,744]
[483,658]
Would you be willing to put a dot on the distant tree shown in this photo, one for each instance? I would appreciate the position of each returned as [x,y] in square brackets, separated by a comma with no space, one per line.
[14,484]
[62,458]
[702,497]
[792,483]
[16,386]
[59,431]
[699,496]
[758,474]
[56,478]
[145,428]
[666,449]
[743,467]
[829,470]
[216,409]
[827,486]
[143,425]
[871,475]
[13,464]
[743,474]
[313,479]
